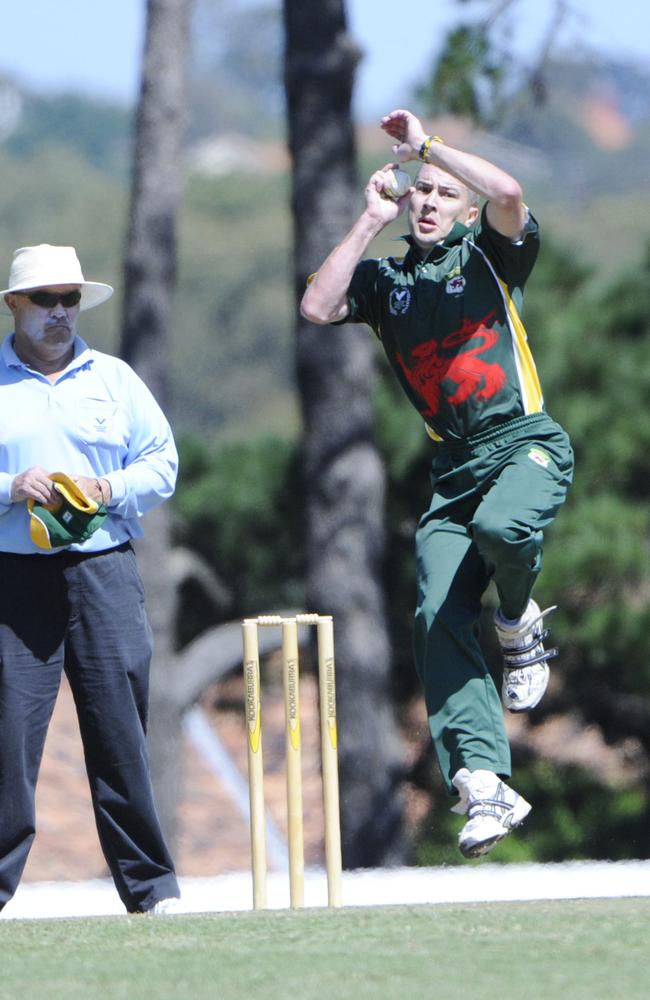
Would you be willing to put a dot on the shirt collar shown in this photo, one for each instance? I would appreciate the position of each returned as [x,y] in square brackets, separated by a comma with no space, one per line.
[455,236]
[82,355]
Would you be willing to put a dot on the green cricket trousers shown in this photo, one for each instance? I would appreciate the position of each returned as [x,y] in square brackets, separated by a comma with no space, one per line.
[493,496]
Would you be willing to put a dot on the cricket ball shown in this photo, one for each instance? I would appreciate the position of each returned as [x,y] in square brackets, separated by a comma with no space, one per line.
[396,183]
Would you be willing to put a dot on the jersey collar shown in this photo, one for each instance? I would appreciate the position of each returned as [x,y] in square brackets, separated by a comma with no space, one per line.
[455,236]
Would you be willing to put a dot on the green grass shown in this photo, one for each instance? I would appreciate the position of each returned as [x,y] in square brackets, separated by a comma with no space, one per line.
[577,949]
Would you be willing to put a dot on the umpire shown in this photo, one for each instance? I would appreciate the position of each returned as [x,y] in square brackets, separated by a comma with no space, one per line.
[85,451]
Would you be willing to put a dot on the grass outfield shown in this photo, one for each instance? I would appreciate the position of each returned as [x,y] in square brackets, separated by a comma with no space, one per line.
[562,950]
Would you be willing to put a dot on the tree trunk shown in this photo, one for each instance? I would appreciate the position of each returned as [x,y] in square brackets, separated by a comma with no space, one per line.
[149,283]
[343,474]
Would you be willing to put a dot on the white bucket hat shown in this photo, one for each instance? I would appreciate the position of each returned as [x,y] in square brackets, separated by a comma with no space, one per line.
[46,265]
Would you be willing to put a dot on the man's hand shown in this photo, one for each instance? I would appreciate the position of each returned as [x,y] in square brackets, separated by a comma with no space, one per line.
[407,130]
[379,205]
[326,296]
[33,484]
[95,489]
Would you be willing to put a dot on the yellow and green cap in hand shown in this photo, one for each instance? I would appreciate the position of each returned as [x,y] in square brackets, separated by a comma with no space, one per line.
[70,520]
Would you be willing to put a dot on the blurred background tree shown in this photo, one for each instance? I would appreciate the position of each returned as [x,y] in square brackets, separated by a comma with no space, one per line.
[150,270]
[342,473]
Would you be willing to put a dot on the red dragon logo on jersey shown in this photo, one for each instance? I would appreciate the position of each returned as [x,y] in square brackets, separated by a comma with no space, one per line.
[473,376]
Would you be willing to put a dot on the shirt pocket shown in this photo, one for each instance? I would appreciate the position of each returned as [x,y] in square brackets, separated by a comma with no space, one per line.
[98,420]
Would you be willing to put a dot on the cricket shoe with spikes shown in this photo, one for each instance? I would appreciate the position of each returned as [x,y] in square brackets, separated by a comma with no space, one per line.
[492,807]
[525,669]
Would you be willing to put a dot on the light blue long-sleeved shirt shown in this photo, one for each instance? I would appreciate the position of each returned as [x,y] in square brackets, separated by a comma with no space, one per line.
[97,419]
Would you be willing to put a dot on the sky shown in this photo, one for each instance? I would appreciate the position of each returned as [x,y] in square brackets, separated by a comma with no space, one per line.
[94,46]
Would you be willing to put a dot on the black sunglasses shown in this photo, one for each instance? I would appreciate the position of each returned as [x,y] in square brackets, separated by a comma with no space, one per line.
[48,300]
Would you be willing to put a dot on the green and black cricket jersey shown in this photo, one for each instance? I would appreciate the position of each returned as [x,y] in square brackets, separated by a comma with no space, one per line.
[451,328]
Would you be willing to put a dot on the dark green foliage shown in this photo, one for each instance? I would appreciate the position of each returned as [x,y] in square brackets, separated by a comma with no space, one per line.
[466,78]
[239,507]
[232,352]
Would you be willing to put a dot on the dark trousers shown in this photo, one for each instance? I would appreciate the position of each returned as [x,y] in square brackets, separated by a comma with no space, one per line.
[85,615]
[494,496]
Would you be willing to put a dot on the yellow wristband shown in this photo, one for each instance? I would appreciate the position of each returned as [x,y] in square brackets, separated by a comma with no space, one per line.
[424,148]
